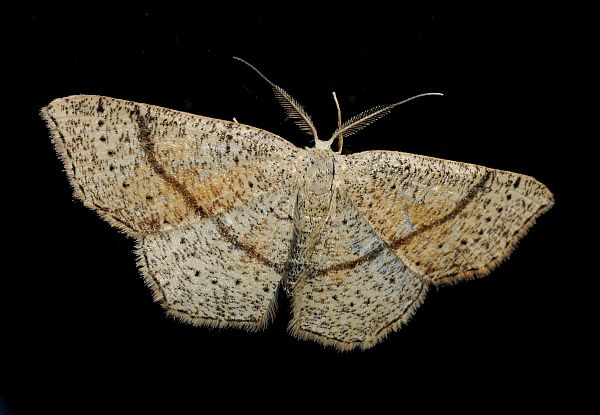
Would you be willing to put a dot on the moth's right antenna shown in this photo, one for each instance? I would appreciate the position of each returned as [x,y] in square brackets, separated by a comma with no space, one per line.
[293,108]
[358,122]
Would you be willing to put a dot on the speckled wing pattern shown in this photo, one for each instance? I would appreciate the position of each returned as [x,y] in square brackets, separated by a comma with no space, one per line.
[202,197]
[225,214]
[356,290]
[447,221]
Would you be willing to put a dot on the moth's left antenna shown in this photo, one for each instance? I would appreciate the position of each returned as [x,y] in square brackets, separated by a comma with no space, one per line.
[293,108]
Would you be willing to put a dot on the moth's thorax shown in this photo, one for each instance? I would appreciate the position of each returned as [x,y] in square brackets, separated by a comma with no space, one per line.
[319,170]
[316,182]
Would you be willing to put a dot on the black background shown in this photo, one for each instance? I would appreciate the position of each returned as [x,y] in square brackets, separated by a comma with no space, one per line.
[77,318]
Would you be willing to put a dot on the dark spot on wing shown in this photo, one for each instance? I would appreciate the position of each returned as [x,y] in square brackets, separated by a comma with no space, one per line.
[517,182]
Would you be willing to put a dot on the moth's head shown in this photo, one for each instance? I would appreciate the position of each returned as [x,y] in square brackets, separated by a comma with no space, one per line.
[323,144]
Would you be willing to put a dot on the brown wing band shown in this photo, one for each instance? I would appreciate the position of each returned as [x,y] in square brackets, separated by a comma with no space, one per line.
[143,122]
[148,148]
[449,216]
[405,240]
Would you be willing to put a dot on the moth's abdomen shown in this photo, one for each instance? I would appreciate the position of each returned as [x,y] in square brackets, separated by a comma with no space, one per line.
[312,209]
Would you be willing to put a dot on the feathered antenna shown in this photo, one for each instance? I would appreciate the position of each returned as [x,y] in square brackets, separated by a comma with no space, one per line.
[360,121]
[293,108]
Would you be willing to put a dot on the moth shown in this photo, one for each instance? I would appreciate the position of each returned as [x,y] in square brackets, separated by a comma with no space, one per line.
[225,216]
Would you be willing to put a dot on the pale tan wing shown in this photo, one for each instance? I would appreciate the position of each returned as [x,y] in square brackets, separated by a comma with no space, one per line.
[225,270]
[445,220]
[209,201]
[146,169]
[356,291]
